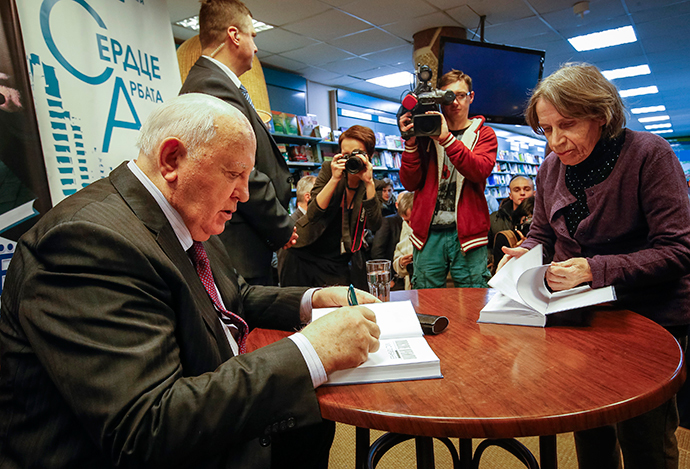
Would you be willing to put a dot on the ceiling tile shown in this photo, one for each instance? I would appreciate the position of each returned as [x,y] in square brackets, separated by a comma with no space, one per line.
[284,63]
[278,40]
[407,28]
[269,12]
[400,56]
[375,72]
[367,41]
[328,25]
[317,54]
[512,33]
[465,16]
[500,11]
[382,12]
[319,75]
[349,66]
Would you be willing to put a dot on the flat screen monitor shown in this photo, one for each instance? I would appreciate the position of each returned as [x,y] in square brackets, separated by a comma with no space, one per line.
[502,76]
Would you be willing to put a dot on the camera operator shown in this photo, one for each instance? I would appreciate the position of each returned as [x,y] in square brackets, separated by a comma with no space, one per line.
[450,218]
[343,205]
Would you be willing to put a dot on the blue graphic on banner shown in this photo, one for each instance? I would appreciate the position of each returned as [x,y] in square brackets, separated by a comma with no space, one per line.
[98,68]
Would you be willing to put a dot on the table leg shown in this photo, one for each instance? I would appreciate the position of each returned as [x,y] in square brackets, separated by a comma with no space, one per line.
[548,459]
[362,442]
[424,446]
[465,453]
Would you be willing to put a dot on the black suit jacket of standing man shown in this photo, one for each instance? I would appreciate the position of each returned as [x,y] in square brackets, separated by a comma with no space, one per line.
[113,355]
[262,225]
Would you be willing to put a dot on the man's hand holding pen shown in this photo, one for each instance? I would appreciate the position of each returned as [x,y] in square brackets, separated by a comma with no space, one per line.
[344,338]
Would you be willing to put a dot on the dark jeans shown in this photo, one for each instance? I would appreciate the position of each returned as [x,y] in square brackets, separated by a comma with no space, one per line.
[647,441]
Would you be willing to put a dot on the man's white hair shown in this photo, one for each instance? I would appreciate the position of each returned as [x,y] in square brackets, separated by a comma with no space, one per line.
[189,117]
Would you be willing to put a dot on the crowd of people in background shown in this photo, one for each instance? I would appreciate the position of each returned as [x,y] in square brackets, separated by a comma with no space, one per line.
[151,278]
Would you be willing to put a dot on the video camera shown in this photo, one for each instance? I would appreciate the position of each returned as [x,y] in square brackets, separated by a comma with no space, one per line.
[424,98]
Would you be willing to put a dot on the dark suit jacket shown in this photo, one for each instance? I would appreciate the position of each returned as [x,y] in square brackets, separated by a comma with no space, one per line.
[261,225]
[112,353]
[387,237]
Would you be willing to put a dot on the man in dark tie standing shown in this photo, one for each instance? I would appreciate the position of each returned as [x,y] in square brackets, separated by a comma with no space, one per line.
[262,225]
[123,324]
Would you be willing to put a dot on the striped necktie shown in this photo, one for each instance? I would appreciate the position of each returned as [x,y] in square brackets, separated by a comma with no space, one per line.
[245,93]
[238,327]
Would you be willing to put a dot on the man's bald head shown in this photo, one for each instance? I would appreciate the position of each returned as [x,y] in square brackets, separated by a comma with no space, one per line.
[520,187]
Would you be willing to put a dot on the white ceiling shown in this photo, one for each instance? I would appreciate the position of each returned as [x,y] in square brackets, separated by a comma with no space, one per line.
[341,43]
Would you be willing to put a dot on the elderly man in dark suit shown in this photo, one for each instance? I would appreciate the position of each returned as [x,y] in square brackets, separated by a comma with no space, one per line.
[262,225]
[119,348]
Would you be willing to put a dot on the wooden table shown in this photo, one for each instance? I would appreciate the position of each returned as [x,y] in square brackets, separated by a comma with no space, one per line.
[511,381]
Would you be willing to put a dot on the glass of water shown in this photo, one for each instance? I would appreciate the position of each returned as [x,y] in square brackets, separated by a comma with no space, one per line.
[379,278]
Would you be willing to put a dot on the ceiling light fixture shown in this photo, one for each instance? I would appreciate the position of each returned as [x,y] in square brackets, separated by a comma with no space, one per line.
[393,80]
[653,119]
[581,8]
[639,91]
[626,72]
[601,39]
[193,23]
[648,109]
[189,23]
[662,131]
[657,126]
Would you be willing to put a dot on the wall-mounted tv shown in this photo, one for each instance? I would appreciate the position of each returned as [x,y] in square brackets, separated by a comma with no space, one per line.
[502,76]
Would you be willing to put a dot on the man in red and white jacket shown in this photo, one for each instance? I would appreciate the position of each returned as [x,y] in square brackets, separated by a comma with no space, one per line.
[450,217]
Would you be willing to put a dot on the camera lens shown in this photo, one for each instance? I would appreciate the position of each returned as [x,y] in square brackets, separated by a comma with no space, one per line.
[353,164]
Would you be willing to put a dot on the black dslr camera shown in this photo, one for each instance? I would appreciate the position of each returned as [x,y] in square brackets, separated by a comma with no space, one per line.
[353,164]
[424,98]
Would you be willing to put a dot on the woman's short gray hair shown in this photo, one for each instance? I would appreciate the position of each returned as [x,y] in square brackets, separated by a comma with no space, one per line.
[189,117]
[579,90]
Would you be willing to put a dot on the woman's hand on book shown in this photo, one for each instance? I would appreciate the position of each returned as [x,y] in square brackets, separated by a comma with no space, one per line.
[568,274]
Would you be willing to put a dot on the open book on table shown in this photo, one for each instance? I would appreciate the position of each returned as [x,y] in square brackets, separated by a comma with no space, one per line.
[524,299]
[404,353]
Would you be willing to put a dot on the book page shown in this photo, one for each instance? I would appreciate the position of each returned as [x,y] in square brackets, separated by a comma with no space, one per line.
[506,279]
[396,319]
[531,287]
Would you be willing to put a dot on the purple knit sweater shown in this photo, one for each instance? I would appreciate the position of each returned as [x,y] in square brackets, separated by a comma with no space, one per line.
[637,236]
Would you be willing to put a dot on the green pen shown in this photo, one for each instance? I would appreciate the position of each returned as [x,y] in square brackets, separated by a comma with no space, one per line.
[351,296]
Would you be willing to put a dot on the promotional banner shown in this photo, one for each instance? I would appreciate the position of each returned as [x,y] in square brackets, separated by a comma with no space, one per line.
[23,185]
[97,69]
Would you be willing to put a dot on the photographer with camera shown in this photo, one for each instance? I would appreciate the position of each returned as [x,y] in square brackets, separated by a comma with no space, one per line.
[446,161]
[343,205]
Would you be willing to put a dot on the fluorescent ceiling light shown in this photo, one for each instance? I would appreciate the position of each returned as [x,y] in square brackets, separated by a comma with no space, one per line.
[193,24]
[189,23]
[608,38]
[639,91]
[259,26]
[393,80]
[653,119]
[662,131]
[355,114]
[648,109]
[657,126]
[626,72]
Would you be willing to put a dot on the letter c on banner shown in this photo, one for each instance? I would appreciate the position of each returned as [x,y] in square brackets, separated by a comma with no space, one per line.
[46,7]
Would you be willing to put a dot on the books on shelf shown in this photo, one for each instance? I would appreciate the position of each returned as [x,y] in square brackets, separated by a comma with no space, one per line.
[307,124]
[284,123]
[404,353]
[524,299]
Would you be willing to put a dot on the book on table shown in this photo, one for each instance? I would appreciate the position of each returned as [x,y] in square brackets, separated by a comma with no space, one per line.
[404,354]
[524,299]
